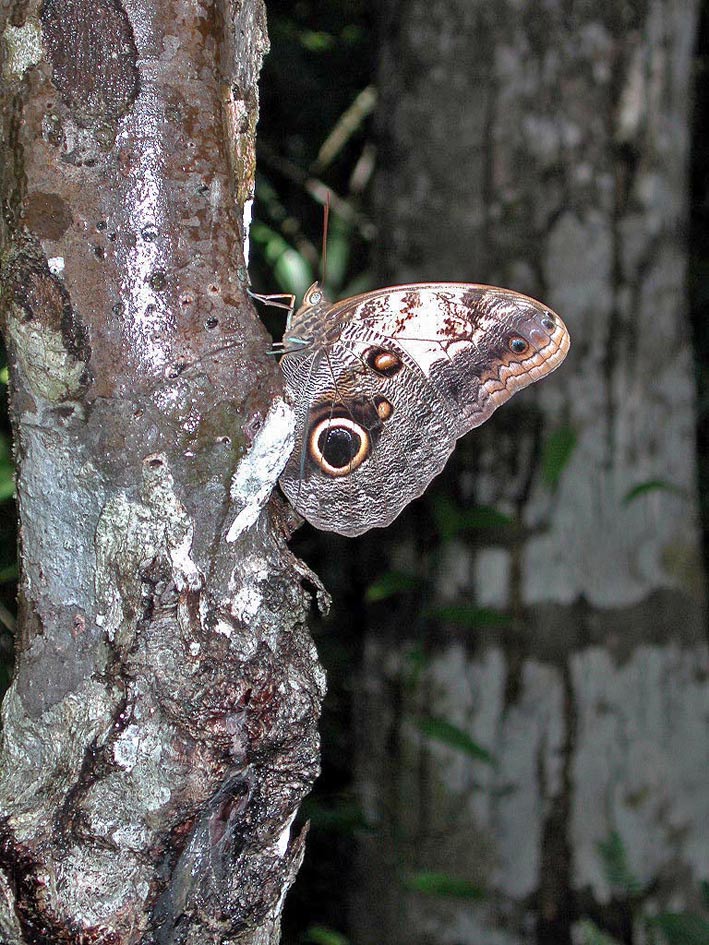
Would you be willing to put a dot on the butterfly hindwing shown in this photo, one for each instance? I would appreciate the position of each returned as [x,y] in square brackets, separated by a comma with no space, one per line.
[363,443]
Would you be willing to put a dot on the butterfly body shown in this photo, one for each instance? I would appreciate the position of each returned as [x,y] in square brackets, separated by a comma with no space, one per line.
[384,383]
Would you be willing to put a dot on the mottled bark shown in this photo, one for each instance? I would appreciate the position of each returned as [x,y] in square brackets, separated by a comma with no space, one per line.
[160,730]
[544,147]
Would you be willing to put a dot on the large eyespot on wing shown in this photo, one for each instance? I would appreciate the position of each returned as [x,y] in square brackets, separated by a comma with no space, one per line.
[338,445]
[341,434]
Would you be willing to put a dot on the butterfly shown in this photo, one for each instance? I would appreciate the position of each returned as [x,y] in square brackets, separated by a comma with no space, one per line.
[384,383]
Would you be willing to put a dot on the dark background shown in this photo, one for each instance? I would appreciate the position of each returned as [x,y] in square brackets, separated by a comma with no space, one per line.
[323,55]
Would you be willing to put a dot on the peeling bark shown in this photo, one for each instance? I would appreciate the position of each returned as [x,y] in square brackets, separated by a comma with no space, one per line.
[545,148]
[160,731]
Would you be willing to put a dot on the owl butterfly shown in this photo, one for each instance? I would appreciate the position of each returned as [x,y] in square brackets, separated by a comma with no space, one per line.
[385,382]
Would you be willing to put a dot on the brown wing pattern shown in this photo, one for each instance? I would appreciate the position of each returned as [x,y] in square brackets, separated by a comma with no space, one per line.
[390,379]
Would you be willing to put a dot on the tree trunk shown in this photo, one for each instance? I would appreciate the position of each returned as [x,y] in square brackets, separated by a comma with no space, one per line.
[160,730]
[544,148]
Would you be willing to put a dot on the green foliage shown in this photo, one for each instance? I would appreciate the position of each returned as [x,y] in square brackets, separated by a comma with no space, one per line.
[472,618]
[443,885]
[651,485]
[590,934]
[344,816]
[556,453]
[7,470]
[451,519]
[316,40]
[615,866]
[415,661]
[704,890]
[291,271]
[445,732]
[681,928]
[321,935]
[7,467]
[390,584]
[675,928]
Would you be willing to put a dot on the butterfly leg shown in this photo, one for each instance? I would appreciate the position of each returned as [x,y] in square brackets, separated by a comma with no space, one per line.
[283,300]
[276,299]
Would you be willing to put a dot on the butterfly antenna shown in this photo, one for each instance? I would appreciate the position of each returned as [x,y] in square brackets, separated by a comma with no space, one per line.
[326,220]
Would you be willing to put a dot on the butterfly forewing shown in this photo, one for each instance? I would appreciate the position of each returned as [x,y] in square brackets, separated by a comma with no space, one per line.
[390,379]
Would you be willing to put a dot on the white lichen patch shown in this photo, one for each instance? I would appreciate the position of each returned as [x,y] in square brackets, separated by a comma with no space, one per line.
[248,207]
[246,602]
[282,842]
[140,745]
[92,890]
[56,265]
[51,371]
[226,629]
[37,763]
[259,470]
[24,48]
[131,532]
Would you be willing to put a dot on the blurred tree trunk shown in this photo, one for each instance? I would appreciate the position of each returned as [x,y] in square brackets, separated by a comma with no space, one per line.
[160,730]
[544,148]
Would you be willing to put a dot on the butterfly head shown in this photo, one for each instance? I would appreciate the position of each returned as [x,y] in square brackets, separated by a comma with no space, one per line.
[303,324]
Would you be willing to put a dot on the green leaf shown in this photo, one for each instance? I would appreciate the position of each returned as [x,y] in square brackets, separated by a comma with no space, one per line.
[415,661]
[615,865]
[389,585]
[338,253]
[590,934]
[316,40]
[556,453]
[465,615]
[321,935]
[681,928]
[342,816]
[485,516]
[445,732]
[444,885]
[292,272]
[652,485]
[450,519]
[704,889]
[7,470]
[10,573]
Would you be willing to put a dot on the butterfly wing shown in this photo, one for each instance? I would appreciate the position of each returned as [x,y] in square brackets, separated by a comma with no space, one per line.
[395,377]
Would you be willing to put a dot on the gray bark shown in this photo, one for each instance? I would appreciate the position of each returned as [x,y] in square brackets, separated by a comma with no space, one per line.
[544,148]
[160,730]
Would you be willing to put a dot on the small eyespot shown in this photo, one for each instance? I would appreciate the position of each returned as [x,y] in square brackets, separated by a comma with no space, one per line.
[338,445]
[518,345]
[383,362]
[548,322]
[384,408]
[315,298]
